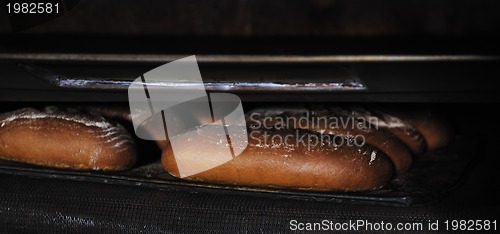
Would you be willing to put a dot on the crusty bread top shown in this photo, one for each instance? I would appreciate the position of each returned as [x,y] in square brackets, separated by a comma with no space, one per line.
[97,124]
[293,162]
[310,118]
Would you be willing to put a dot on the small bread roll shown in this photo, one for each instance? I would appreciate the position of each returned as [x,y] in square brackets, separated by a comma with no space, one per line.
[269,162]
[65,140]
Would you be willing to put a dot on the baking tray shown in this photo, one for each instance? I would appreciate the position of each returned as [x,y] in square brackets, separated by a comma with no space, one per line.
[432,176]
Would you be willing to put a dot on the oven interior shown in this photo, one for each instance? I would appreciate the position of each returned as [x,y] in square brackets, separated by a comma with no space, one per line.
[325,59]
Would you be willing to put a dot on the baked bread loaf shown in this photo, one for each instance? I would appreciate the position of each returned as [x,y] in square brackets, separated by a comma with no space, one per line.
[123,113]
[403,130]
[435,130]
[269,162]
[336,121]
[108,111]
[65,140]
[391,138]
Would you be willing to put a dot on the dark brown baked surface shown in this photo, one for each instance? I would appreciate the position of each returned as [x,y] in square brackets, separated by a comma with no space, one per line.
[436,131]
[336,121]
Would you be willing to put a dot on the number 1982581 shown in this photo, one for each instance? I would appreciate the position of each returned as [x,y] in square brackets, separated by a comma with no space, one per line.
[32,8]
[471,225]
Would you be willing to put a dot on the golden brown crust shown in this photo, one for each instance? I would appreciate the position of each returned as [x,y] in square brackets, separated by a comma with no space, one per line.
[123,113]
[65,140]
[272,164]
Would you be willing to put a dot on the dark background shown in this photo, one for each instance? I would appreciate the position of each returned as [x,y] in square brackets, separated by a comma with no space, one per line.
[466,92]
[260,26]
[278,17]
